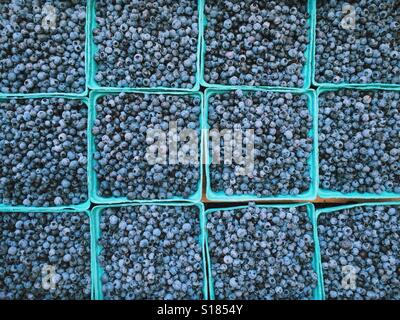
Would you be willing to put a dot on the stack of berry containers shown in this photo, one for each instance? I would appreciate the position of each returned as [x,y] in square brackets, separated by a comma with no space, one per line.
[39,91]
[119,70]
[165,92]
[358,72]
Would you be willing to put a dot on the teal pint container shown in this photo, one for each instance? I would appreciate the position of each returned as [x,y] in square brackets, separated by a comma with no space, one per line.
[98,270]
[312,161]
[96,94]
[316,261]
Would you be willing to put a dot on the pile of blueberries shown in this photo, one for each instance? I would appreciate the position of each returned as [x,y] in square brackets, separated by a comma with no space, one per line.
[44,256]
[42,46]
[359,142]
[256,43]
[43,152]
[260,253]
[147,146]
[146,43]
[151,252]
[282,143]
[135,163]
[360,251]
[358,41]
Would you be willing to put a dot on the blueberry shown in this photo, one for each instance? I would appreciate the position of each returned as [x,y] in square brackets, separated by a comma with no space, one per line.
[186,227]
[41,259]
[156,259]
[248,263]
[256,43]
[37,136]
[12,251]
[114,220]
[360,253]
[39,42]
[155,42]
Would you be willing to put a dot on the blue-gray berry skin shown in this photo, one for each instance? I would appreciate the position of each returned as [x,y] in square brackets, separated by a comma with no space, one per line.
[42,46]
[45,256]
[256,43]
[146,43]
[150,253]
[282,143]
[261,253]
[121,130]
[357,42]
[43,152]
[360,252]
[359,141]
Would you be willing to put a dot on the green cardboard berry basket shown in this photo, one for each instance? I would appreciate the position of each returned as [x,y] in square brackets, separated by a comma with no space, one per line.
[9,210]
[333,210]
[85,92]
[311,194]
[94,95]
[86,204]
[93,65]
[326,194]
[314,63]
[316,261]
[307,69]
[98,270]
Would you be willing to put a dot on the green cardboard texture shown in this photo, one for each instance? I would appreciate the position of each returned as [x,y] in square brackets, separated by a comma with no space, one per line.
[93,191]
[98,270]
[313,161]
